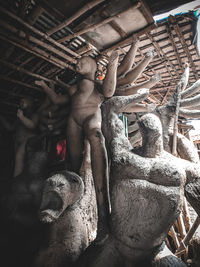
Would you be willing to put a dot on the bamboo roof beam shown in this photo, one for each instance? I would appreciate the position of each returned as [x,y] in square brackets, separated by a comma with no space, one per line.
[38,42]
[184,44]
[14,81]
[80,12]
[36,31]
[29,73]
[174,47]
[21,65]
[165,96]
[35,51]
[162,55]
[94,26]
[115,25]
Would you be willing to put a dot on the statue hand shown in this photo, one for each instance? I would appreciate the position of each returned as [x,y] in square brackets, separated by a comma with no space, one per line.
[20,113]
[40,83]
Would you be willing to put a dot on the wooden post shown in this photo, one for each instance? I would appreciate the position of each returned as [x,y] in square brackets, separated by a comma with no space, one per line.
[184,243]
[173,234]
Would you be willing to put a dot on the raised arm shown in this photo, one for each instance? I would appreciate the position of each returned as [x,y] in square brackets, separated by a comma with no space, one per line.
[110,81]
[29,123]
[55,98]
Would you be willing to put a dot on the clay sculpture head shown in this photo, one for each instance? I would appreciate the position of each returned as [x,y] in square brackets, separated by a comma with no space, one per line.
[61,191]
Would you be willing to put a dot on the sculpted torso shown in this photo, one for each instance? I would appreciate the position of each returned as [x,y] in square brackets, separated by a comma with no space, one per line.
[146,203]
[85,101]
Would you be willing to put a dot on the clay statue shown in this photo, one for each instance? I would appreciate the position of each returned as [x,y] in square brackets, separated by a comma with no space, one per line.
[65,229]
[85,117]
[23,129]
[52,112]
[146,191]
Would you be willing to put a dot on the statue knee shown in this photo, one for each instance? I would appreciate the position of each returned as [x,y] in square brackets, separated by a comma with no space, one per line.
[94,134]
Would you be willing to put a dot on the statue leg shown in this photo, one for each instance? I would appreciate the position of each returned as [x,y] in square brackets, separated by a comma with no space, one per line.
[19,158]
[74,144]
[133,74]
[99,164]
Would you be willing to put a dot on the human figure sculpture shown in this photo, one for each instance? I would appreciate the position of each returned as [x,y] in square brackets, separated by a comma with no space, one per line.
[61,214]
[85,117]
[53,111]
[23,128]
[146,191]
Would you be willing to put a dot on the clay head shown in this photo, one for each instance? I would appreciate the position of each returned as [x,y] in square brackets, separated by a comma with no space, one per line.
[26,103]
[86,65]
[61,192]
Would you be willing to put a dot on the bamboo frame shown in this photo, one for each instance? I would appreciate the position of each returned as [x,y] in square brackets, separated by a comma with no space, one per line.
[80,12]
[183,42]
[94,26]
[41,34]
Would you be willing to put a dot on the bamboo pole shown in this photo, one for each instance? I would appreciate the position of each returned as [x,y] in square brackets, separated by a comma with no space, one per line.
[34,75]
[181,87]
[80,12]
[36,51]
[187,215]
[181,225]
[184,243]
[36,31]
[173,235]
[184,44]
[93,27]
[38,42]
[2,77]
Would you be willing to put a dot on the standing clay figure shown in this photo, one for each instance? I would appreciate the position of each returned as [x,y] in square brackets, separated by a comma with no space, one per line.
[61,213]
[24,128]
[85,117]
[53,111]
[146,190]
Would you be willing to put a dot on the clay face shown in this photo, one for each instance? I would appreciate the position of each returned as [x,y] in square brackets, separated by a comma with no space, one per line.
[55,199]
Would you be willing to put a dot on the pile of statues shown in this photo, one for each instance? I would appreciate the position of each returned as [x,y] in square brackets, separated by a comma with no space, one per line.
[138,192]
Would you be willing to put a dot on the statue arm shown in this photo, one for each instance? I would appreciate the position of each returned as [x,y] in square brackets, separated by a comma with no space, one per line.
[55,98]
[29,123]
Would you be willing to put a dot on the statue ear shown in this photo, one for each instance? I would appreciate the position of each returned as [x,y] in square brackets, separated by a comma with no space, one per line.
[76,184]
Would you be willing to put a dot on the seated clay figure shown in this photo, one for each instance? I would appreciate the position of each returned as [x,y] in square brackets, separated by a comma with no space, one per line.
[146,191]
[61,213]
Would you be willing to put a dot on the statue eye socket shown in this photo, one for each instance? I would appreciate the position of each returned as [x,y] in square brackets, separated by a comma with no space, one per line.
[61,184]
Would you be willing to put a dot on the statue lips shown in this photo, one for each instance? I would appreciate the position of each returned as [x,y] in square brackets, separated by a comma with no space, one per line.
[51,207]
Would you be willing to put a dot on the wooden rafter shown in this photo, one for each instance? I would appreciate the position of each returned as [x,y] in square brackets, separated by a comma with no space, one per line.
[184,44]
[36,31]
[94,26]
[84,9]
